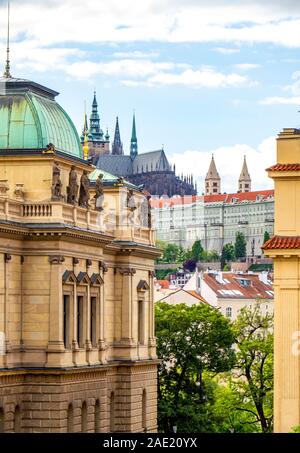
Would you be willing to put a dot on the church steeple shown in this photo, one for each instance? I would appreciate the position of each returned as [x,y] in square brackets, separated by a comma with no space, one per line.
[212,179]
[244,179]
[95,130]
[7,74]
[133,145]
[117,146]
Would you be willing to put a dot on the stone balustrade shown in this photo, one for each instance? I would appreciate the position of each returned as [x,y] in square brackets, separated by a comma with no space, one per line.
[122,227]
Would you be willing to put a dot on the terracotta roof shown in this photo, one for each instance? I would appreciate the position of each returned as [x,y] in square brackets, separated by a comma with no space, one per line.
[225,198]
[282,242]
[163,283]
[284,167]
[195,294]
[231,286]
[191,293]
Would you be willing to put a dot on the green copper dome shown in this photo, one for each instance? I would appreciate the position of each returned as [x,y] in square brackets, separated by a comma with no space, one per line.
[30,118]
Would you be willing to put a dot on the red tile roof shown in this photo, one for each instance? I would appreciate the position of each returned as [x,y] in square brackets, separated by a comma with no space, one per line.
[282,242]
[225,198]
[163,283]
[232,288]
[195,294]
[284,167]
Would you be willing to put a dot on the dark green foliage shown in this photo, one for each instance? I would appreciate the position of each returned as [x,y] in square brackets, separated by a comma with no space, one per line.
[240,245]
[228,254]
[190,342]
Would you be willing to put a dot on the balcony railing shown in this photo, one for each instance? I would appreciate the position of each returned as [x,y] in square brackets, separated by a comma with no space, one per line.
[123,227]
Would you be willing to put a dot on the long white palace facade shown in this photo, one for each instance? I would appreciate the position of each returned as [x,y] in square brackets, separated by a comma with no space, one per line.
[215,218]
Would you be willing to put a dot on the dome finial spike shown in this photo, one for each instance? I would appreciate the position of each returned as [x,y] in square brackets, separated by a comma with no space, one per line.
[7,74]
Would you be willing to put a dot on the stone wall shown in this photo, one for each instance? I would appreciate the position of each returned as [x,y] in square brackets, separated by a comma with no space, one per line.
[44,398]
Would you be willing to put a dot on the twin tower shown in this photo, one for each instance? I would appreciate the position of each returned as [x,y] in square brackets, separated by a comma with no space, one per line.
[213,180]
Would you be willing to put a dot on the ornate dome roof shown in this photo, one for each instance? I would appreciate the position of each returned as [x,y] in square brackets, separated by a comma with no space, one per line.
[30,118]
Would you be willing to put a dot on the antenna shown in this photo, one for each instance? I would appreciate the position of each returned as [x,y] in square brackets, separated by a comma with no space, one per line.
[7,74]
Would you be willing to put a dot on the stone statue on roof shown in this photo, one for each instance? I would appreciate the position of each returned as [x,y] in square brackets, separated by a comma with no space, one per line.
[56,183]
[72,189]
[99,195]
[84,193]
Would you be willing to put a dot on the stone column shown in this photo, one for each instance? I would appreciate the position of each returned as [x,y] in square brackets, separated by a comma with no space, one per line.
[55,344]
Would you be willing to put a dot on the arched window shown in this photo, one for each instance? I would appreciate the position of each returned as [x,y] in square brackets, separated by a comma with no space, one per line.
[70,419]
[144,411]
[97,416]
[112,412]
[17,420]
[84,417]
[1,420]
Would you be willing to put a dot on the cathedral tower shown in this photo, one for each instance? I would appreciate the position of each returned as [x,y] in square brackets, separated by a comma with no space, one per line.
[98,143]
[244,179]
[133,145]
[212,179]
[117,146]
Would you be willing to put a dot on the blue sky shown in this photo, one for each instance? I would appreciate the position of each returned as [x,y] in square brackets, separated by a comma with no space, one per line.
[204,77]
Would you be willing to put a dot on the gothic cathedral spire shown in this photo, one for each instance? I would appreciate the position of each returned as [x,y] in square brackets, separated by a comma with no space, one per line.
[95,130]
[117,146]
[133,145]
[212,179]
[245,179]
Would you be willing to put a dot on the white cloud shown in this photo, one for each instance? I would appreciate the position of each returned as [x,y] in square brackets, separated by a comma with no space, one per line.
[226,50]
[136,54]
[229,162]
[280,100]
[246,66]
[206,77]
[109,21]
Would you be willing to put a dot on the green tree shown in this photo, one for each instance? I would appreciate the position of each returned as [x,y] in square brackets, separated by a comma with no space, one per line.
[240,245]
[266,236]
[197,250]
[254,366]
[228,254]
[190,341]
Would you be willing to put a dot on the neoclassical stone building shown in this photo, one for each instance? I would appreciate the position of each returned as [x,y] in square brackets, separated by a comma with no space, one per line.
[284,249]
[77,345]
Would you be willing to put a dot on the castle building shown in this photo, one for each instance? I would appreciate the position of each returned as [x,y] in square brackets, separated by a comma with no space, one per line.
[77,258]
[151,170]
[284,249]
[216,218]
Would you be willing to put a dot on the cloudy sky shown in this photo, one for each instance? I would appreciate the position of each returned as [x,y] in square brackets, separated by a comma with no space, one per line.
[203,76]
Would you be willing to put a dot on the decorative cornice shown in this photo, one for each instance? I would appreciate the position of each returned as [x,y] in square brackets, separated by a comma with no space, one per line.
[89,262]
[125,270]
[75,261]
[56,259]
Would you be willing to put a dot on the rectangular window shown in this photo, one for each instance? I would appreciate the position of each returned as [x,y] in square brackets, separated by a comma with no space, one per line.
[93,321]
[80,321]
[66,324]
[140,322]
